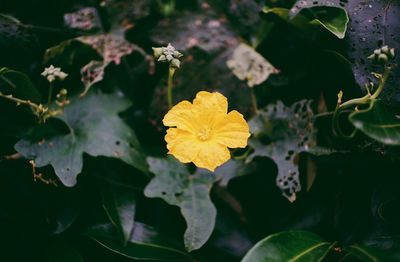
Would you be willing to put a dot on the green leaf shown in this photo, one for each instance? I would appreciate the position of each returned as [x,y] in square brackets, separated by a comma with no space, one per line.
[174,184]
[281,133]
[19,85]
[95,129]
[378,122]
[61,250]
[386,249]
[333,19]
[120,205]
[145,243]
[290,246]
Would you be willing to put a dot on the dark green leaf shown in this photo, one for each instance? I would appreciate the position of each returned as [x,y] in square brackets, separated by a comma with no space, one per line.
[290,246]
[145,243]
[333,19]
[60,250]
[386,249]
[18,84]
[281,132]
[120,205]
[378,122]
[95,129]
[174,184]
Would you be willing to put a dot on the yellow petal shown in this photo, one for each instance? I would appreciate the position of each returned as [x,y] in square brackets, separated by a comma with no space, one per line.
[181,116]
[181,144]
[213,101]
[233,131]
[211,155]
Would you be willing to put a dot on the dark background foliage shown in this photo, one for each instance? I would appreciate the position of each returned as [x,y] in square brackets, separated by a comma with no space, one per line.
[349,196]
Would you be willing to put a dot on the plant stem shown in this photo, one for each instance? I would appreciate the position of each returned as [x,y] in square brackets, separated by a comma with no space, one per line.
[171,73]
[19,101]
[367,99]
[50,93]
[253,100]
[382,83]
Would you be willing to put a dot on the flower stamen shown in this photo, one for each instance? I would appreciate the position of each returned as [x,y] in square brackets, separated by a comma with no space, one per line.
[204,134]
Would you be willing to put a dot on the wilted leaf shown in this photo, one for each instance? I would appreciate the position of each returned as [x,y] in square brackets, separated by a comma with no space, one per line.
[120,205]
[379,122]
[281,133]
[174,184]
[246,64]
[111,47]
[95,129]
[123,13]
[145,243]
[92,73]
[86,19]
[294,246]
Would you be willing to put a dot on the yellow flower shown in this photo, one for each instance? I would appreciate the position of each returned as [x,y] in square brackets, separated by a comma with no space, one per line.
[202,132]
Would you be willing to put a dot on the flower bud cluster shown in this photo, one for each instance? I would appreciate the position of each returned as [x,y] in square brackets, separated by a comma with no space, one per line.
[382,55]
[168,55]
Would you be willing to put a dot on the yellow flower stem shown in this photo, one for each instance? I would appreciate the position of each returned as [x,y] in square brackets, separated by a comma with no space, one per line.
[50,93]
[367,99]
[253,100]
[171,73]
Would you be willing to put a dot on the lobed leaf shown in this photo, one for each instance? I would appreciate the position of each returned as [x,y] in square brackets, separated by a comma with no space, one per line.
[281,133]
[174,184]
[94,128]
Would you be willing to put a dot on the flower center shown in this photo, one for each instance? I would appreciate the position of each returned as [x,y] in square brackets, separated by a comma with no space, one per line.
[204,134]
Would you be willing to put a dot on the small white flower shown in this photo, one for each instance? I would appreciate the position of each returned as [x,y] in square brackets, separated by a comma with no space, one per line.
[52,73]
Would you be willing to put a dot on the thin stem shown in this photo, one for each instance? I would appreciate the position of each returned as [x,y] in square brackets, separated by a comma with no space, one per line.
[323,114]
[171,73]
[50,93]
[382,83]
[44,28]
[19,101]
[253,100]
[336,126]
[367,99]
